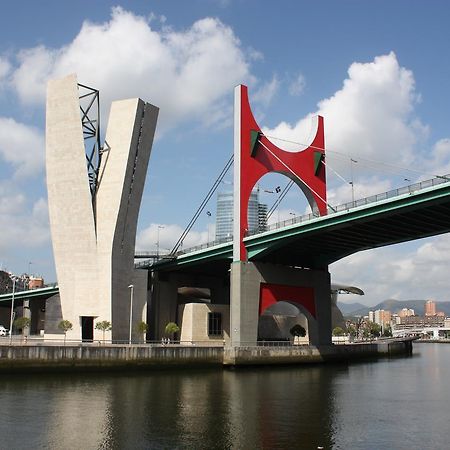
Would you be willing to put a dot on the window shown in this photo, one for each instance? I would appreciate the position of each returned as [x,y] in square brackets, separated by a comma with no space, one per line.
[214,324]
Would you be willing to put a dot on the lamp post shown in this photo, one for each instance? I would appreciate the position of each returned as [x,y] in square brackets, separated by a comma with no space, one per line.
[157,241]
[12,312]
[131,287]
[351,177]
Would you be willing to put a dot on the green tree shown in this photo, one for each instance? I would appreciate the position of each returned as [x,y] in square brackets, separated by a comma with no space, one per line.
[142,328]
[374,329]
[22,323]
[172,328]
[387,332]
[351,330]
[297,331]
[65,325]
[338,331]
[103,326]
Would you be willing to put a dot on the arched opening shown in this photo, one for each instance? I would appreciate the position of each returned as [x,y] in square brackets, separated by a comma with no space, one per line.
[285,321]
[280,199]
[286,313]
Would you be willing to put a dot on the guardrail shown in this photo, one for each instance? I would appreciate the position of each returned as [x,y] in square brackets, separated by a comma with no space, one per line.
[39,340]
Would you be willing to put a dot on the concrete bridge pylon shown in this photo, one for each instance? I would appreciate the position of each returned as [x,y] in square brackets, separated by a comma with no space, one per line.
[254,285]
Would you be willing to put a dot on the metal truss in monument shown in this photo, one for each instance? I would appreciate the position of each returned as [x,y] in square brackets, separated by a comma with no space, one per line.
[90,121]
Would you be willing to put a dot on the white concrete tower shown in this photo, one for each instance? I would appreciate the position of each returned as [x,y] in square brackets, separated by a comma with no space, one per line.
[94,230]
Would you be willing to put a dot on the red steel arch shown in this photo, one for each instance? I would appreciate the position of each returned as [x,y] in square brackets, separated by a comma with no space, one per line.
[255,155]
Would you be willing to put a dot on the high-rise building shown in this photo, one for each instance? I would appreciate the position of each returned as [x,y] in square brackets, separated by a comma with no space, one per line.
[381,317]
[430,308]
[257,215]
[406,312]
[224,215]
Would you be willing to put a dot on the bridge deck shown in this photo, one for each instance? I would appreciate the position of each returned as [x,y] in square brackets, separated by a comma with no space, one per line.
[414,212]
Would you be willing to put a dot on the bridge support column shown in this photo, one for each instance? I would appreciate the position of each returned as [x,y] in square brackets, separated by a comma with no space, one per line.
[247,279]
[163,305]
[244,304]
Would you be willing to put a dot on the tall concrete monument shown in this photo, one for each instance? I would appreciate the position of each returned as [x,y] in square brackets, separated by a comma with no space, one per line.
[94,196]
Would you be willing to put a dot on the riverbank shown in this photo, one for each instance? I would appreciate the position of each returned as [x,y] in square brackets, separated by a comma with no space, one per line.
[41,357]
[433,341]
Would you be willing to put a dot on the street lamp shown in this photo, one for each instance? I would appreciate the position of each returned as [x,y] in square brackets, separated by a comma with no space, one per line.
[12,311]
[131,287]
[351,177]
[157,241]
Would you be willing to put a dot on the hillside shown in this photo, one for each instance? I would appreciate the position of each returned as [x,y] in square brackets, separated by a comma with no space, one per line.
[348,308]
[392,305]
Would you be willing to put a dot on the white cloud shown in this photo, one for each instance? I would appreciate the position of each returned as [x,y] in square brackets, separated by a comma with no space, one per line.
[361,188]
[22,225]
[297,86]
[401,272]
[439,162]
[5,67]
[186,73]
[281,214]
[371,116]
[265,94]
[147,238]
[22,146]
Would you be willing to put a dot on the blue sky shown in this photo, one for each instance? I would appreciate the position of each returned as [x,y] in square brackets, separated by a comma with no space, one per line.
[379,72]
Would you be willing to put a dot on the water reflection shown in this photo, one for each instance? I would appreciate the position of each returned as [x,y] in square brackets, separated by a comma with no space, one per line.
[256,408]
[362,406]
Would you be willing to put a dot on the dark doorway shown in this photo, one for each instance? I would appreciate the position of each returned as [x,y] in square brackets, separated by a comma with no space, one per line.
[87,328]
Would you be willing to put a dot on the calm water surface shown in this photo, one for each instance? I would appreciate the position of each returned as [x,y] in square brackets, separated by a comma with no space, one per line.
[401,403]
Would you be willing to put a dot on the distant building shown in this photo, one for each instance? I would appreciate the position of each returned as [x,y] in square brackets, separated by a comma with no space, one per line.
[430,308]
[381,317]
[35,282]
[257,215]
[406,312]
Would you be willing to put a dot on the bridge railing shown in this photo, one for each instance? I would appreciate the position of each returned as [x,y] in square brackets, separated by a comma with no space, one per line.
[410,189]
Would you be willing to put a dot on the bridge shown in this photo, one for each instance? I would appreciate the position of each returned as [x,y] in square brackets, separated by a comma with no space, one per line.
[412,212]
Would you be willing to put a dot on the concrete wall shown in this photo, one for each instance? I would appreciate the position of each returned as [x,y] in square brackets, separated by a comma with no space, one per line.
[301,354]
[93,242]
[32,357]
[194,323]
[98,357]
[246,278]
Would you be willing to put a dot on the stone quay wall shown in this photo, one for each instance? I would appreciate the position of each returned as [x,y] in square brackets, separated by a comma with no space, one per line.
[41,357]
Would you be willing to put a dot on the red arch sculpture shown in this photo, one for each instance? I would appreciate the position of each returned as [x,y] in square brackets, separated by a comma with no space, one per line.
[255,156]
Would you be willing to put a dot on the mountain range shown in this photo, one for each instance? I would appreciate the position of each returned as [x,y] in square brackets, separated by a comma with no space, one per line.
[357,309]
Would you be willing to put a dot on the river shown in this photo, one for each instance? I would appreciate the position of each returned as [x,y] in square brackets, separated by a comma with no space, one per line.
[399,403]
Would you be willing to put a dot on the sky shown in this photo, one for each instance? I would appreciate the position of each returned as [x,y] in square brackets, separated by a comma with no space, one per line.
[379,73]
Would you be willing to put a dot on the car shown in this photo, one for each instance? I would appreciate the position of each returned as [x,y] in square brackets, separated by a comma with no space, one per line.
[3,331]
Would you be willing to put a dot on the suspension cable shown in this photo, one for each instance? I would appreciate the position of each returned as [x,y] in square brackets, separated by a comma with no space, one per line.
[203,205]
[359,157]
[283,194]
[335,172]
